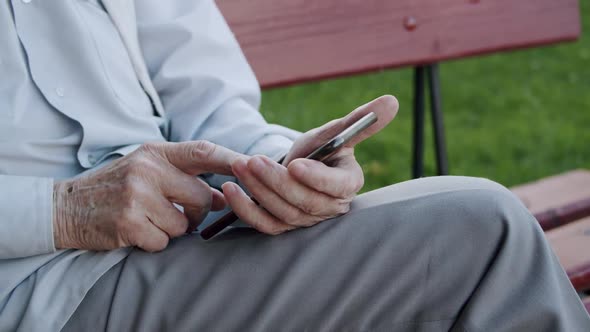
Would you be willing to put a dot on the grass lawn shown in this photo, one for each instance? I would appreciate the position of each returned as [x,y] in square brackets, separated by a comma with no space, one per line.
[511,117]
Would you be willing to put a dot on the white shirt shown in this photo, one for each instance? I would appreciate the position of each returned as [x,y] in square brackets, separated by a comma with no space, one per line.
[70,99]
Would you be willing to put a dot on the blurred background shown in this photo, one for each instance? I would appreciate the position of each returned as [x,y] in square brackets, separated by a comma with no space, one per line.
[511,117]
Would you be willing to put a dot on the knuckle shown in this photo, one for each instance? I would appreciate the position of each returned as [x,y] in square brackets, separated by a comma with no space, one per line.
[160,243]
[350,187]
[275,230]
[176,231]
[202,150]
[268,228]
[163,244]
[152,243]
[343,208]
[180,227]
[282,187]
[311,206]
[150,148]
[126,224]
[334,209]
[207,197]
[199,190]
[297,218]
[125,240]
[358,183]
[130,191]
[343,189]
[304,207]
[196,215]
[122,242]
[129,184]
[311,221]
[324,182]
[300,200]
[139,167]
[128,213]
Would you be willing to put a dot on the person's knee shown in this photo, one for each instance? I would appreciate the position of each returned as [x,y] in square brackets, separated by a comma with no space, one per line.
[459,183]
[423,187]
[476,209]
[485,212]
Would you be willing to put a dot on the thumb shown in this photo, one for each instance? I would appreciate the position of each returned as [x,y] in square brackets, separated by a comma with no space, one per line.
[385,107]
[197,157]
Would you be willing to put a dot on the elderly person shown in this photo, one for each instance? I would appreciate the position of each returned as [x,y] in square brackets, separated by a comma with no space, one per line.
[119,120]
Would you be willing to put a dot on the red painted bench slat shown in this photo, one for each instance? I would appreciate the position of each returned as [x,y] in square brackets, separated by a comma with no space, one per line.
[555,201]
[572,246]
[580,277]
[586,302]
[554,192]
[290,41]
[563,215]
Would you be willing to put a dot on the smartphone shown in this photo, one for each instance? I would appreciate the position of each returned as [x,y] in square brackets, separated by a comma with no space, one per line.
[323,153]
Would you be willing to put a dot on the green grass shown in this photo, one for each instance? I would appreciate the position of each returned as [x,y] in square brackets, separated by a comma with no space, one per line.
[511,117]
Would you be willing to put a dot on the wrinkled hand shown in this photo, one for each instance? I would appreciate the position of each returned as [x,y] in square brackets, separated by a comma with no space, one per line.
[130,201]
[303,192]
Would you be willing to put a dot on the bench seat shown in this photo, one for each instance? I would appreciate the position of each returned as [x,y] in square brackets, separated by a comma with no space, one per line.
[561,203]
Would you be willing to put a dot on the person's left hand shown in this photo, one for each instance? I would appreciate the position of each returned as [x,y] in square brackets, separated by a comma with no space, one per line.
[303,192]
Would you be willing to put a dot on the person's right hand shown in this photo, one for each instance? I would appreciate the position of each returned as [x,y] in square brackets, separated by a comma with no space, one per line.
[130,201]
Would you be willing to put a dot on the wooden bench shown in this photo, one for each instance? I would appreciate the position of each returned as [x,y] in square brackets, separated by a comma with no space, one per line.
[562,205]
[295,41]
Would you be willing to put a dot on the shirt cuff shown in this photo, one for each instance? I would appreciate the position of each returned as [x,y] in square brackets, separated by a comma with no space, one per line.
[26,214]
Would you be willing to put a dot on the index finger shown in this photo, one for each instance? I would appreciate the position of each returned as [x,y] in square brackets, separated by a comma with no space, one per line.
[197,157]
[385,107]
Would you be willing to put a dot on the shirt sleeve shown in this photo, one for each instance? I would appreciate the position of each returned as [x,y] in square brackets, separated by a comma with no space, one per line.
[26,214]
[204,81]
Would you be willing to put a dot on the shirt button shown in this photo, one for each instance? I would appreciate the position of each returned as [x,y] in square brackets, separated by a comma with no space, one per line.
[58,91]
[26,1]
[91,159]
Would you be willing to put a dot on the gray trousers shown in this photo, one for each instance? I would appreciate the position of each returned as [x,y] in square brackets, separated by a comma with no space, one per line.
[435,254]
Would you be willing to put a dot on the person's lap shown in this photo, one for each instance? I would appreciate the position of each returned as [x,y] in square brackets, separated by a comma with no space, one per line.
[408,256]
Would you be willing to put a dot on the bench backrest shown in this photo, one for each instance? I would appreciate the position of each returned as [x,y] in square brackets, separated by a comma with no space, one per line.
[293,41]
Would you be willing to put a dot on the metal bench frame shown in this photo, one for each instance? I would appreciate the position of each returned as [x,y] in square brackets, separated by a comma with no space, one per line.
[440,148]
